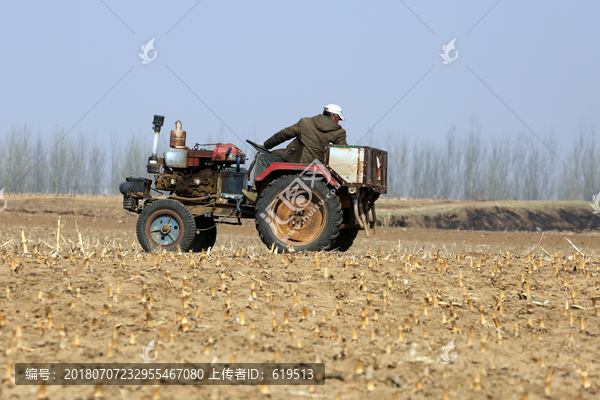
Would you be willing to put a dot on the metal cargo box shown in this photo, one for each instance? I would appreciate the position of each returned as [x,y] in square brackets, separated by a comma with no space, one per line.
[358,165]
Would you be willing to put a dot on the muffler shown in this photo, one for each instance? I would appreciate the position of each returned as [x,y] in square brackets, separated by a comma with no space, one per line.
[152,166]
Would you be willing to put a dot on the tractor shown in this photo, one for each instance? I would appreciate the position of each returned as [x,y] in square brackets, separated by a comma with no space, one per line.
[304,207]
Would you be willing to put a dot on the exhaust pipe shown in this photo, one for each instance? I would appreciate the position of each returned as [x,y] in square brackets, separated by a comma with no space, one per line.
[152,166]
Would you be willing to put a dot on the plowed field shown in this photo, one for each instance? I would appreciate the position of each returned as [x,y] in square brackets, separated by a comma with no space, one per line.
[519,306]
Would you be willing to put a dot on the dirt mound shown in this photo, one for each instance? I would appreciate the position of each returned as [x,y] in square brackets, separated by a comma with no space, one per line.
[495,218]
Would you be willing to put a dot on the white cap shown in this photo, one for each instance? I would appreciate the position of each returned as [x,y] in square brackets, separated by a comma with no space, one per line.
[334,109]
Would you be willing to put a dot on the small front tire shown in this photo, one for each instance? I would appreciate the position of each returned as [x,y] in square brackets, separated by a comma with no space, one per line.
[167,225]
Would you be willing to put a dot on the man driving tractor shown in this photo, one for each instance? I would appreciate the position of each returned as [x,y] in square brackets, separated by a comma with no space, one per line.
[311,136]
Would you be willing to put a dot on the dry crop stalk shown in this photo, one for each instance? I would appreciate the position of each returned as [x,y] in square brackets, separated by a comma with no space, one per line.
[482,319]
[23,240]
[455,329]
[470,338]
[483,342]
[496,322]
[400,334]
[98,391]
[585,380]
[548,383]
[571,319]
[58,236]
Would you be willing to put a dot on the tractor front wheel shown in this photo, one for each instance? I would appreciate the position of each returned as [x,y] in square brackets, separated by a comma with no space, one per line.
[298,211]
[166,224]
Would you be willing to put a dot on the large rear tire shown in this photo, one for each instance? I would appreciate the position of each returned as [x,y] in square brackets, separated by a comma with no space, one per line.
[298,211]
[206,234]
[166,224]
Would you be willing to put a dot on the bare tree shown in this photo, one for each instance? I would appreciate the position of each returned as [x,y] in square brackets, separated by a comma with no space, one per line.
[116,155]
[571,184]
[96,170]
[397,165]
[416,172]
[74,164]
[39,174]
[450,165]
[474,153]
[132,162]
[548,168]
[16,159]
[61,170]
[497,169]
[590,166]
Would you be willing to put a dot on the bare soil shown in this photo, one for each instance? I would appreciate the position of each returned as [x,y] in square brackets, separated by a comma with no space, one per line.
[492,270]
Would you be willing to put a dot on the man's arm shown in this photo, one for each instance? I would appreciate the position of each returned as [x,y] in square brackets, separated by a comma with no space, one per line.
[341,138]
[285,134]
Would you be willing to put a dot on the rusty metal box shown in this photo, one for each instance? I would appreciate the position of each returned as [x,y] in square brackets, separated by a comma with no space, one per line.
[358,165]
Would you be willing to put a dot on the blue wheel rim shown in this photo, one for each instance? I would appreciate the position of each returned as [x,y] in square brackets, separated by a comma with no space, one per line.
[165,229]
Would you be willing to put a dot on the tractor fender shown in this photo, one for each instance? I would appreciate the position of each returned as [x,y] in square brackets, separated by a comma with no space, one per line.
[277,169]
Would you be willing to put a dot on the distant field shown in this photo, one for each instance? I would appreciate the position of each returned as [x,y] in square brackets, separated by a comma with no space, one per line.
[493,215]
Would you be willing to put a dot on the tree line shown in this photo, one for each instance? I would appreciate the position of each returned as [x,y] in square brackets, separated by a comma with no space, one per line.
[521,167]
[457,167]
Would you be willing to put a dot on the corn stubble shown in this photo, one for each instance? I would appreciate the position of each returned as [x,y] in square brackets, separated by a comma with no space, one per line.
[378,318]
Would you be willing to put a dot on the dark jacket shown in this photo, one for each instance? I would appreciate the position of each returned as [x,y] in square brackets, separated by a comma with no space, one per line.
[311,135]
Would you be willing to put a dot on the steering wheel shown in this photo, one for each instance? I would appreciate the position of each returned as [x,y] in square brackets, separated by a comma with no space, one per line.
[258,147]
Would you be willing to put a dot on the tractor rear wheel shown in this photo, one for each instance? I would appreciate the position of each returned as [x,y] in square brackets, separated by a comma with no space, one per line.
[166,224]
[298,211]
[206,234]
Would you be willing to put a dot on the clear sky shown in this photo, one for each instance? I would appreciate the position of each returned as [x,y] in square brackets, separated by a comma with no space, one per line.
[262,65]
